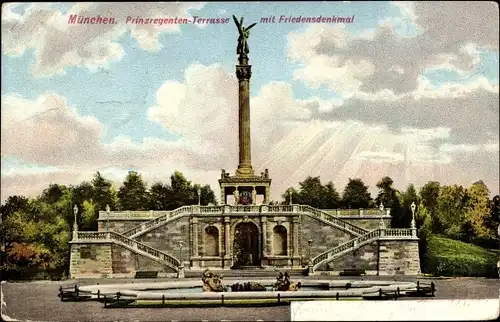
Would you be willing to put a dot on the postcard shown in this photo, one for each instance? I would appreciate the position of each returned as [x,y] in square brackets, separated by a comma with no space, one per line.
[254,161]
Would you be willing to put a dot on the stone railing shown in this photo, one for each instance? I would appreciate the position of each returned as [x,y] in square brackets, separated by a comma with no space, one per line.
[355,243]
[342,224]
[131,215]
[169,216]
[397,232]
[358,212]
[133,245]
[348,246]
[227,209]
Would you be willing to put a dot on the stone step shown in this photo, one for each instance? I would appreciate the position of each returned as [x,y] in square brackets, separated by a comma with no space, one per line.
[248,273]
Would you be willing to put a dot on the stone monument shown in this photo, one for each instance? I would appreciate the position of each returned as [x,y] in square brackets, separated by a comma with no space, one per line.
[244,185]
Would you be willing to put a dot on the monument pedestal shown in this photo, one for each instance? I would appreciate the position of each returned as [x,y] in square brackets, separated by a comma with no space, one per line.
[245,189]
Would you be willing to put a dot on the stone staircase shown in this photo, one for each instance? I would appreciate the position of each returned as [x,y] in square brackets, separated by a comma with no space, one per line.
[355,243]
[132,245]
[128,240]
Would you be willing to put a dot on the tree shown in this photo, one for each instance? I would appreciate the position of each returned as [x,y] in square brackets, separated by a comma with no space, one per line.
[356,195]
[388,196]
[133,194]
[477,213]
[313,193]
[207,195]
[295,196]
[53,193]
[423,223]
[408,197]
[103,193]
[13,204]
[493,220]
[159,196]
[451,207]
[429,194]
[89,216]
[332,196]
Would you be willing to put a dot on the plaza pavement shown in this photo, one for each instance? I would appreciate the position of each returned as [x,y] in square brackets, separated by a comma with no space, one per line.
[38,301]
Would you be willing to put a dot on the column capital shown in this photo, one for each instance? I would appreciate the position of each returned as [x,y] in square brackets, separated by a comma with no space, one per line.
[227,219]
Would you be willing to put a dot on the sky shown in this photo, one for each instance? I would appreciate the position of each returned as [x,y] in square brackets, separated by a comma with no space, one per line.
[407,90]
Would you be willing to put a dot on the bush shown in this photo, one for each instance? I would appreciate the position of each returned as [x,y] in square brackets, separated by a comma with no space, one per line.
[448,257]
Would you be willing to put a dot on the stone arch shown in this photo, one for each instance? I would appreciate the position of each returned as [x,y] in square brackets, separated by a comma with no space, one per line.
[211,241]
[280,240]
[246,244]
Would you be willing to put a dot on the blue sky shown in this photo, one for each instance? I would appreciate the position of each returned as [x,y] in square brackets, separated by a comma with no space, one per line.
[119,92]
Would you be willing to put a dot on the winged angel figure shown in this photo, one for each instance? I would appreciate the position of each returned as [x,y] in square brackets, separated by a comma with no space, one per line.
[244,34]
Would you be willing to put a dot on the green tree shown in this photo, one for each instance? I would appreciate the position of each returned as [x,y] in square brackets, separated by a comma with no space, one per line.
[103,193]
[332,196]
[356,195]
[53,193]
[160,196]
[13,204]
[423,223]
[388,196]
[477,213]
[429,194]
[89,215]
[451,208]
[207,195]
[492,221]
[295,196]
[133,193]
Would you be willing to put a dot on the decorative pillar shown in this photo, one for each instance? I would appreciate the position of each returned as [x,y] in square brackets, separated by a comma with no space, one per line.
[266,195]
[194,236]
[227,240]
[236,195]
[223,195]
[264,236]
[254,195]
[295,230]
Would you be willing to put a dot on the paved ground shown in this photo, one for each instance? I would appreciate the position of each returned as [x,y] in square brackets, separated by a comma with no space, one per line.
[38,301]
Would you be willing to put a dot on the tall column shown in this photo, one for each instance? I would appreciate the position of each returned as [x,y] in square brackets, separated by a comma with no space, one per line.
[244,72]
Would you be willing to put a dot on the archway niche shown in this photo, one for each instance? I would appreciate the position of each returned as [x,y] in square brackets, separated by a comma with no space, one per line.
[211,241]
[246,250]
[280,240]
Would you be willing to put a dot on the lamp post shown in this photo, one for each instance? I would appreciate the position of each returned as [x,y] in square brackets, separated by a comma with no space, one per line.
[75,223]
[199,196]
[413,226]
[291,194]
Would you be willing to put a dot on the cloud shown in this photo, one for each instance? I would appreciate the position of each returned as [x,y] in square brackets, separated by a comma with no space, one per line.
[385,60]
[58,45]
[287,138]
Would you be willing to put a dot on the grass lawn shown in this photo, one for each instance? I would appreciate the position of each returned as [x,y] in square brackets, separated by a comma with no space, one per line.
[448,257]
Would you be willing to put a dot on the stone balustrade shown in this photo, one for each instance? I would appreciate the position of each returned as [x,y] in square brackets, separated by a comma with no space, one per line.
[355,243]
[151,214]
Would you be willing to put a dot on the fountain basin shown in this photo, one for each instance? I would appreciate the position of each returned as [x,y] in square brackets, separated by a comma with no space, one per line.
[191,292]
